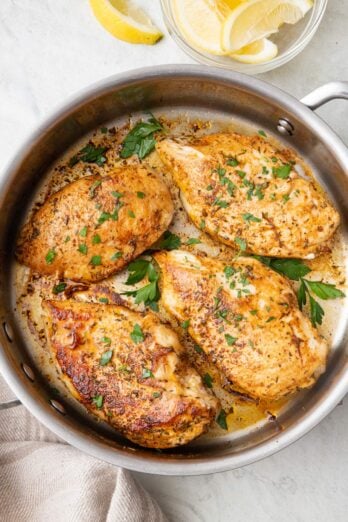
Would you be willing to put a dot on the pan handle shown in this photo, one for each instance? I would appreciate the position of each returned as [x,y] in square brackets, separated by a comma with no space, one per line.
[325,93]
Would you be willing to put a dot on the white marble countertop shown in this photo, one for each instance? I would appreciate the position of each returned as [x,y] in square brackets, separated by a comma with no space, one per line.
[49,50]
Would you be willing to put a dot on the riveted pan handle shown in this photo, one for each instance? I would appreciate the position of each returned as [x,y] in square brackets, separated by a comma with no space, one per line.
[325,93]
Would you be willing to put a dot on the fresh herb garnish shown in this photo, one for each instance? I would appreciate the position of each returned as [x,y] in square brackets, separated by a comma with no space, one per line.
[295,270]
[98,400]
[96,239]
[202,224]
[140,195]
[106,340]
[169,241]
[282,172]
[193,241]
[250,217]
[198,349]
[262,133]
[230,339]
[104,300]
[241,243]
[232,162]
[83,232]
[208,380]
[90,154]
[67,239]
[156,395]
[96,260]
[185,324]
[137,271]
[116,255]
[220,203]
[146,374]
[221,420]
[105,358]
[93,188]
[51,254]
[131,214]
[137,335]
[82,248]
[140,140]
[60,287]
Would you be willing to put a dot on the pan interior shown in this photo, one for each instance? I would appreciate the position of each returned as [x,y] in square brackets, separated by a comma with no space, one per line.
[183,105]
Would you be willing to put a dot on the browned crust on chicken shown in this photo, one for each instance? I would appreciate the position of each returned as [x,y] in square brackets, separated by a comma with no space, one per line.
[246,319]
[94,226]
[243,187]
[149,392]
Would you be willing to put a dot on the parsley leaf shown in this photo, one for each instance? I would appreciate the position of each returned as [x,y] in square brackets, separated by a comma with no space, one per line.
[169,241]
[221,420]
[146,374]
[105,358]
[241,243]
[324,290]
[294,269]
[250,217]
[148,293]
[83,248]
[140,139]
[137,335]
[301,295]
[106,340]
[262,133]
[98,400]
[60,287]
[193,241]
[185,324]
[220,203]
[208,380]
[51,254]
[96,239]
[230,339]
[232,162]
[317,313]
[96,260]
[83,232]
[90,154]
[282,172]
[137,271]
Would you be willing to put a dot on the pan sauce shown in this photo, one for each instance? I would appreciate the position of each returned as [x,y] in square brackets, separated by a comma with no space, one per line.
[243,412]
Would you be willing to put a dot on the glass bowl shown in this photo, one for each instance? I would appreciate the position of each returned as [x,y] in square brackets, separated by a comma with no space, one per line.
[291,40]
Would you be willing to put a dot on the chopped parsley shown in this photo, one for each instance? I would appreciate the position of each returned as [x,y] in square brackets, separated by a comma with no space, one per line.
[82,248]
[105,358]
[60,287]
[156,395]
[222,420]
[96,260]
[146,373]
[106,340]
[241,243]
[131,214]
[262,133]
[230,339]
[104,300]
[93,188]
[83,232]
[96,239]
[140,140]
[282,172]
[140,195]
[208,380]
[202,224]
[193,241]
[90,154]
[116,255]
[232,162]
[67,239]
[220,203]
[185,324]
[98,400]
[169,241]
[50,256]
[137,334]
[197,348]
[250,217]
[147,294]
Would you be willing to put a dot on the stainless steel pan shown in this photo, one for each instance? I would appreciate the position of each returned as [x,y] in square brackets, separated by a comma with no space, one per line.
[204,91]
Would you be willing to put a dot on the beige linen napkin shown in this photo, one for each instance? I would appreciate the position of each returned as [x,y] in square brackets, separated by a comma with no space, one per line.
[42,479]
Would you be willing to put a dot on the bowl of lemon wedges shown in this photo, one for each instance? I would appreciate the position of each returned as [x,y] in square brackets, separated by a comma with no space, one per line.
[250,36]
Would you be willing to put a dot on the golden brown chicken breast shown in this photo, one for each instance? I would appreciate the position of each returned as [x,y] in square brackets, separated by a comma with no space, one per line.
[94,226]
[235,186]
[246,319]
[129,369]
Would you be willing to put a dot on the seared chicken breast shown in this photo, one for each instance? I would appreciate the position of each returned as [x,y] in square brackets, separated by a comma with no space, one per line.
[94,226]
[246,319]
[128,369]
[236,186]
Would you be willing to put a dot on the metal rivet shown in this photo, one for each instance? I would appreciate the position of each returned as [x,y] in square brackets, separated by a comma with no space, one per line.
[58,406]
[8,331]
[285,127]
[28,372]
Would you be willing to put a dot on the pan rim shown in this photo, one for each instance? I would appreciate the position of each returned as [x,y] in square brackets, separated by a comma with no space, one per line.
[99,449]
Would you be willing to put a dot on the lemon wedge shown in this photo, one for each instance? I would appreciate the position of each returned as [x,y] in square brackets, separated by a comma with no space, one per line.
[125,21]
[200,22]
[257,19]
[260,51]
